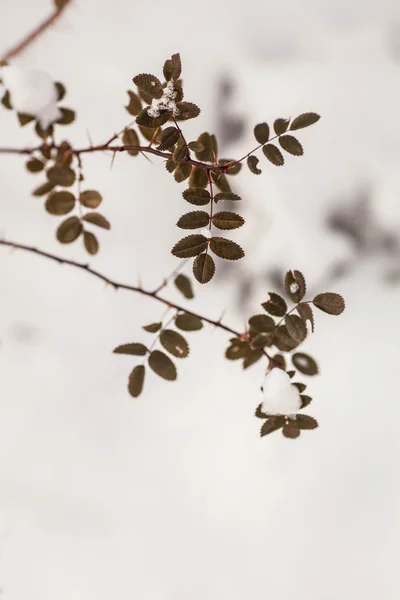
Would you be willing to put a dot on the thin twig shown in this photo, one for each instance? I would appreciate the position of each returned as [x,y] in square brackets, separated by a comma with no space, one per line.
[35,34]
[116,285]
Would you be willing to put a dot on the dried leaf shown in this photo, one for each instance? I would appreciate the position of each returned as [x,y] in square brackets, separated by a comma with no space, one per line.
[203,268]
[305,422]
[234,168]
[134,349]
[227,220]
[305,363]
[131,138]
[135,105]
[296,328]
[150,84]
[226,196]
[69,230]
[153,327]
[226,248]
[274,155]
[261,133]
[67,116]
[191,245]
[295,285]
[136,381]
[281,125]
[305,400]
[221,182]
[252,163]
[90,242]
[184,285]
[194,220]
[145,120]
[97,219]
[304,120]
[43,189]
[172,68]
[60,203]
[90,198]
[162,365]
[61,91]
[259,413]
[197,196]
[262,323]
[271,425]
[306,313]
[34,165]
[63,176]
[238,349]
[330,303]
[198,178]
[188,322]
[291,145]
[276,305]
[252,357]
[6,100]
[168,138]
[24,119]
[182,172]
[174,343]
[283,341]
[206,155]
[290,432]
[187,110]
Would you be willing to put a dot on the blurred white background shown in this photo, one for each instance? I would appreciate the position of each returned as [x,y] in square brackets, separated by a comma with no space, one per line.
[174,496]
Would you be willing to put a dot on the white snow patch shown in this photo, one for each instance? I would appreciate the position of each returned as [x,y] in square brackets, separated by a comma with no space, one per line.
[280,396]
[166,102]
[32,92]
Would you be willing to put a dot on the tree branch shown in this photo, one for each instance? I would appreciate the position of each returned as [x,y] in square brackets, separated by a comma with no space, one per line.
[116,285]
[124,148]
[36,33]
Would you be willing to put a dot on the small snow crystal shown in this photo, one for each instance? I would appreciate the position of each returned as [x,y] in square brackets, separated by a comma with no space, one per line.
[32,93]
[166,102]
[294,287]
[280,396]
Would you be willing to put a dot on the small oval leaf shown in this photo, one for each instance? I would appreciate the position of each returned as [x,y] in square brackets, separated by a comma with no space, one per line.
[153,327]
[252,163]
[194,220]
[226,248]
[203,268]
[135,105]
[276,305]
[227,220]
[134,349]
[261,133]
[97,219]
[184,285]
[60,203]
[197,196]
[304,120]
[274,155]
[69,230]
[331,303]
[188,322]
[162,365]
[305,363]
[63,176]
[90,242]
[191,245]
[136,381]
[291,145]
[174,343]
[90,198]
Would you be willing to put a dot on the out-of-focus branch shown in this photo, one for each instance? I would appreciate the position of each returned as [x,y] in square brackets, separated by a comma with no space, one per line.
[60,6]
